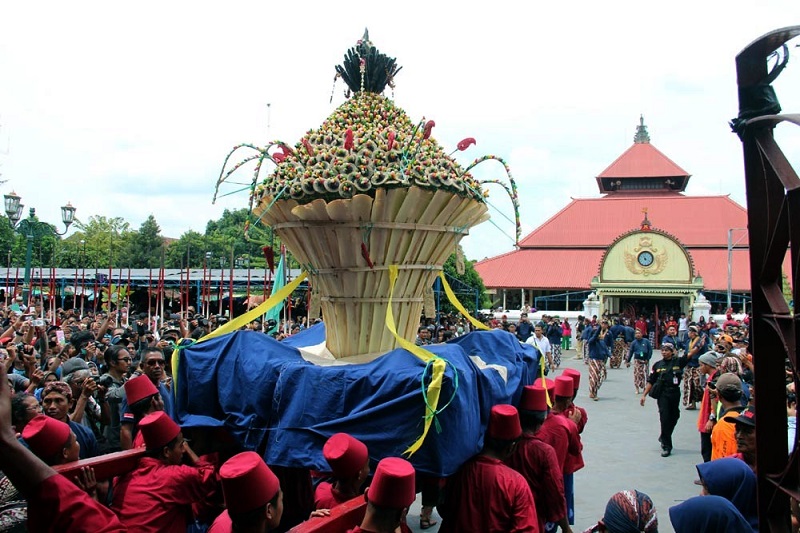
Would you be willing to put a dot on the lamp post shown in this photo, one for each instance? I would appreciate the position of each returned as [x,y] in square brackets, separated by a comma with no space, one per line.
[731,244]
[31,228]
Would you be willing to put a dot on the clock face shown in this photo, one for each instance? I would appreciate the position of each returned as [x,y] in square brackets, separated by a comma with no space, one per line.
[645,259]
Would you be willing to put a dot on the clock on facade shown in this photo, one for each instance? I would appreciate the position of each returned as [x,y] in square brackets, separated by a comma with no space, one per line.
[645,259]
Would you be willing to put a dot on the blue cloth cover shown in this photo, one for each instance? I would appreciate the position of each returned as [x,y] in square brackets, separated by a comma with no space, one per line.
[275,402]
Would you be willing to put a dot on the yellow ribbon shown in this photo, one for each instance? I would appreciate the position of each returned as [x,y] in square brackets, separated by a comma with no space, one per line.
[453,300]
[544,379]
[240,321]
[435,386]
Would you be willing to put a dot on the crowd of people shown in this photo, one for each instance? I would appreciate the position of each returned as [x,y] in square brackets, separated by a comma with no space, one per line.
[705,366]
[80,387]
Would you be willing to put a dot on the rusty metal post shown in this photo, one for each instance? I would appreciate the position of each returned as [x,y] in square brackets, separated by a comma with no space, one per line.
[773,212]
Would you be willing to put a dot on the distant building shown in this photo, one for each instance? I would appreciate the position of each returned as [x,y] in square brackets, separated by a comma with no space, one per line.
[643,244]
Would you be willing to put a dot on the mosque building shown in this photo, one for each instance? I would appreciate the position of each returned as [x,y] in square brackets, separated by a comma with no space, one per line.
[643,246]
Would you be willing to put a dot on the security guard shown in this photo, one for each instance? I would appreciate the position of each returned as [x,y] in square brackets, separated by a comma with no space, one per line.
[667,373]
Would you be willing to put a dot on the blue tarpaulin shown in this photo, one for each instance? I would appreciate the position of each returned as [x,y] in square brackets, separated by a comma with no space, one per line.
[271,399]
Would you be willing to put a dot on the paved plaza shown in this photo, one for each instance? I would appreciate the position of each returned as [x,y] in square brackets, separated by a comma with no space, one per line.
[621,450]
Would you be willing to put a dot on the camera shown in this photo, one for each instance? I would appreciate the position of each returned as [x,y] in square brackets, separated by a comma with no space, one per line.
[105,380]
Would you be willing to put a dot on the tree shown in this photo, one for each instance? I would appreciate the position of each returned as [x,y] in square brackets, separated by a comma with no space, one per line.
[143,248]
[469,279]
[103,239]
[188,251]
[13,245]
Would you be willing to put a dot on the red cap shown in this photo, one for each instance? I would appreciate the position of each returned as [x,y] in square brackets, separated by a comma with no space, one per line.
[5,340]
[46,436]
[534,398]
[564,386]
[549,385]
[575,375]
[137,389]
[158,430]
[247,482]
[504,423]
[394,484]
[347,455]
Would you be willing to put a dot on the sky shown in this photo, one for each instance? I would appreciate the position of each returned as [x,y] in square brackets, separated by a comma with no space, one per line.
[129,109]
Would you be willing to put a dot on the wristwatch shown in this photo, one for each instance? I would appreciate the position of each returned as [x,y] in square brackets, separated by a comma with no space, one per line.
[712,417]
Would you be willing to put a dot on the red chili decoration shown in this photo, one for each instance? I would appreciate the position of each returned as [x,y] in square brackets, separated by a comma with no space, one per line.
[286,150]
[391,140]
[278,157]
[365,255]
[465,143]
[269,255]
[309,148]
[348,139]
[428,127]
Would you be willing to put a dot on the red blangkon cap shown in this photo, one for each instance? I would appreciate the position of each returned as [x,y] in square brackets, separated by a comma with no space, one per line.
[346,455]
[564,386]
[46,436]
[534,398]
[247,482]
[137,389]
[575,375]
[158,430]
[393,485]
[504,423]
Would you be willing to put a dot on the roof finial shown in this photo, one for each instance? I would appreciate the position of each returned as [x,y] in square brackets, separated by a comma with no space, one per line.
[646,222]
[641,137]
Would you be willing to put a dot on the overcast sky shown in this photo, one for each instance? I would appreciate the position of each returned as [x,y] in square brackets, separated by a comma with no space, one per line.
[129,109]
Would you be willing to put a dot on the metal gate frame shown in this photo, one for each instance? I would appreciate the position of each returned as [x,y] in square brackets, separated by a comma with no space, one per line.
[773,213]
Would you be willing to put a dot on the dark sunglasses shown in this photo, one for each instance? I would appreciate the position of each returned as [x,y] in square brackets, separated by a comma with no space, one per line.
[154,362]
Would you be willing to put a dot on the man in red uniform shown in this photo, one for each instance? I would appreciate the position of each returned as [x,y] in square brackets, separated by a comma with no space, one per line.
[54,503]
[561,433]
[389,496]
[565,391]
[349,462]
[252,493]
[51,440]
[143,398]
[485,495]
[576,384]
[537,462]
[157,496]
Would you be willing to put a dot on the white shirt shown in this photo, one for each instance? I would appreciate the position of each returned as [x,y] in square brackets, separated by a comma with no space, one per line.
[683,324]
[543,344]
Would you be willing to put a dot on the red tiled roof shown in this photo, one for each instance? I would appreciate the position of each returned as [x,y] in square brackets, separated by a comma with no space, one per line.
[574,269]
[590,222]
[643,160]
[546,268]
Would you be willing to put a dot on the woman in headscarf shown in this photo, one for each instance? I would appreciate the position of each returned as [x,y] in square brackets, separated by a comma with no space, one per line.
[733,480]
[628,511]
[709,514]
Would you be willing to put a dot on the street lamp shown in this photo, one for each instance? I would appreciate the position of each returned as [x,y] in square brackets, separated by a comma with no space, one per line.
[731,244]
[31,228]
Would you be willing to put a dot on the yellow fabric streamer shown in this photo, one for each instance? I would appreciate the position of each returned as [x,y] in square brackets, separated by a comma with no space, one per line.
[435,386]
[240,321]
[453,300]
[544,378]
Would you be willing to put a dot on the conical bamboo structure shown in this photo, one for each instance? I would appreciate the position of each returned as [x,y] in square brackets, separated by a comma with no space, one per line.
[413,228]
[367,190]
